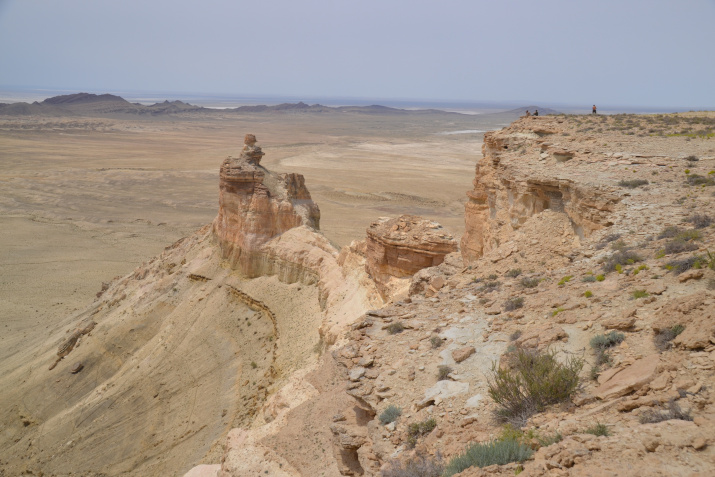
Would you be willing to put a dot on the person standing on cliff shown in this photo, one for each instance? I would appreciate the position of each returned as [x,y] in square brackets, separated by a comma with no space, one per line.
[593,111]
[528,113]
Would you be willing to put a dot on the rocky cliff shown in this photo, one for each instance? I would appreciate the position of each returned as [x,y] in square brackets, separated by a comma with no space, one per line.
[256,205]
[510,187]
[398,248]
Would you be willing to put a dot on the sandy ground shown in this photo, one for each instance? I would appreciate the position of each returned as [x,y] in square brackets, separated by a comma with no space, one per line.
[83,200]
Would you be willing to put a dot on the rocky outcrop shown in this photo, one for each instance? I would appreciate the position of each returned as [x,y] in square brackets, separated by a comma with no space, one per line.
[256,205]
[509,189]
[398,248]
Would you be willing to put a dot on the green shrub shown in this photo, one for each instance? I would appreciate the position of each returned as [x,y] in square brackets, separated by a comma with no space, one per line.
[633,183]
[685,264]
[254,365]
[598,429]
[557,311]
[527,282]
[588,293]
[489,286]
[514,272]
[396,327]
[618,259]
[588,279]
[490,453]
[600,278]
[390,414]
[535,381]
[663,339]
[565,279]
[493,276]
[698,180]
[513,303]
[418,429]
[443,372]
[639,294]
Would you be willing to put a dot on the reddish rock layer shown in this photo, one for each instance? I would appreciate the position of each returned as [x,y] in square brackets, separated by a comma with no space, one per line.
[398,248]
[256,205]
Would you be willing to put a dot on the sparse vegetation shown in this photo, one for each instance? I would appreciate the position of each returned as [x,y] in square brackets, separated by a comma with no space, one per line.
[418,466]
[534,381]
[700,221]
[565,279]
[598,429]
[515,335]
[620,259]
[557,311]
[514,272]
[588,293]
[672,411]
[527,282]
[698,180]
[490,453]
[395,327]
[436,341]
[663,339]
[588,279]
[639,294]
[443,372]
[513,303]
[390,414]
[600,278]
[490,286]
[633,183]
[601,344]
[418,429]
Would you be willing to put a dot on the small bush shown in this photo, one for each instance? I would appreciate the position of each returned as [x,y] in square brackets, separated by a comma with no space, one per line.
[588,293]
[535,381]
[598,429]
[390,414]
[669,232]
[663,339]
[443,372]
[621,258]
[565,279]
[419,429]
[673,411]
[515,335]
[692,159]
[514,272]
[529,282]
[633,183]
[396,327]
[588,279]
[697,179]
[608,340]
[600,278]
[557,311]
[513,303]
[700,221]
[436,341]
[678,246]
[254,365]
[418,466]
[490,286]
[491,453]
[639,294]
[493,276]
[685,264]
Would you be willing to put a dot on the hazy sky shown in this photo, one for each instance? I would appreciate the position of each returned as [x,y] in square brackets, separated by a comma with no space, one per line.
[620,52]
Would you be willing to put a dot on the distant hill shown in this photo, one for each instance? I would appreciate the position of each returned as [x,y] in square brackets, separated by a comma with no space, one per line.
[88,104]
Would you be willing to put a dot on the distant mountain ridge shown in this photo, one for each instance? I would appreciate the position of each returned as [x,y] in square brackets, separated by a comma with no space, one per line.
[89,104]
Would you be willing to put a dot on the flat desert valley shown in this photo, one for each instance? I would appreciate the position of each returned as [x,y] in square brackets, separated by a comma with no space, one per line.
[83,200]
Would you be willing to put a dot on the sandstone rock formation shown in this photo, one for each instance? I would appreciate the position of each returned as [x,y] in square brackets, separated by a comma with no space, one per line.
[509,190]
[256,205]
[398,248]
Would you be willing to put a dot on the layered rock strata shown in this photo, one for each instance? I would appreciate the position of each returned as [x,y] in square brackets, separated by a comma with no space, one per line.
[398,248]
[256,205]
[510,188]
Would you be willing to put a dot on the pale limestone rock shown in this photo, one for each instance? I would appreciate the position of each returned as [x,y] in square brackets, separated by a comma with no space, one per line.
[629,379]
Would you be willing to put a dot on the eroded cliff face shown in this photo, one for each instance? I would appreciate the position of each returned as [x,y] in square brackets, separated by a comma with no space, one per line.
[514,182]
[398,248]
[256,205]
